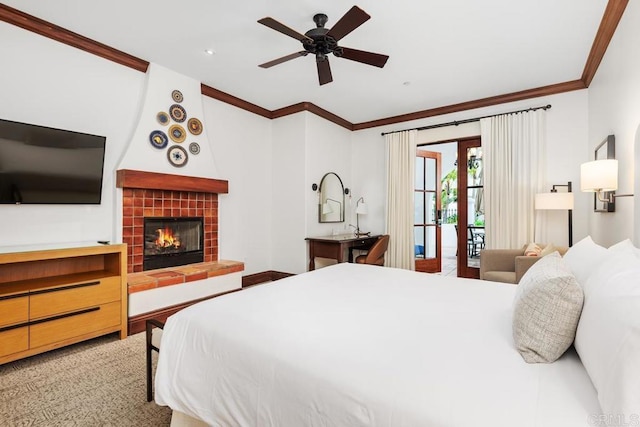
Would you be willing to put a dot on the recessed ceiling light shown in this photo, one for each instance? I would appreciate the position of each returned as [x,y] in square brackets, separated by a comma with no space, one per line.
[209,51]
[406,83]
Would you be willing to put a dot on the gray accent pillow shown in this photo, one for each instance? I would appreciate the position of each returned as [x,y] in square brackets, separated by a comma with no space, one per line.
[547,309]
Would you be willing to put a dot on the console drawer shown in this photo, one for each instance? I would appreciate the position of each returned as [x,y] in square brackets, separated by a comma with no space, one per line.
[14,340]
[54,301]
[74,324]
[14,310]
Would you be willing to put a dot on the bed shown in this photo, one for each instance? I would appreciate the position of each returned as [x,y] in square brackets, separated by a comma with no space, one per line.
[361,345]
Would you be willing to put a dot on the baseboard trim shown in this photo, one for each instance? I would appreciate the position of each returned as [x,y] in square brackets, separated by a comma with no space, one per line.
[137,323]
[262,277]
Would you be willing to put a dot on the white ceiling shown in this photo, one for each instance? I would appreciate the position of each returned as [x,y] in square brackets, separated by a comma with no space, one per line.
[441,52]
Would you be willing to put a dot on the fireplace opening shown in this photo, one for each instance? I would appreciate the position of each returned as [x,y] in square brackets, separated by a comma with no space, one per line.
[172,241]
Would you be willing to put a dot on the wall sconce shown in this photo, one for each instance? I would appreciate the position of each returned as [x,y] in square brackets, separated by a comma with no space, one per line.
[601,177]
[361,209]
[557,201]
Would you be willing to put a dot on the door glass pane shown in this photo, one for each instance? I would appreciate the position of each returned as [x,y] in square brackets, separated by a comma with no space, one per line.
[419,207]
[475,206]
[431,208]
[430,174]
[419,173]
[430,247]
[474,166]
[418,235]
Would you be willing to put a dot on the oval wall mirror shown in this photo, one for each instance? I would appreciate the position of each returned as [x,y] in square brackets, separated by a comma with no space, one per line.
[331,201]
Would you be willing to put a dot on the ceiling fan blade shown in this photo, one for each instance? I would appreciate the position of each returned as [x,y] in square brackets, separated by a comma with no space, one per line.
[275,25]
[370,58]
[324,71]
[283,59]
[349,22]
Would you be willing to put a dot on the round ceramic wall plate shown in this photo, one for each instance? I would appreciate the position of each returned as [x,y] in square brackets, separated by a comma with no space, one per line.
[194,148]
[176,95]
[177,156]
[178,113]
[158,139]
[163,118]
[195,126]
[177,133]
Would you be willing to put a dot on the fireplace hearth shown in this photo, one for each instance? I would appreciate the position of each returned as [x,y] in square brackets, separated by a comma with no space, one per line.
[172,241]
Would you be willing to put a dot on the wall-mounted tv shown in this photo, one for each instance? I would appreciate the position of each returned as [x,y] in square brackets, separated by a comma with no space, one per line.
[42,165]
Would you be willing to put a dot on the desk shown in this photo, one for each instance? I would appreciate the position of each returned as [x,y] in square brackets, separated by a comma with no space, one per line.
[333,247]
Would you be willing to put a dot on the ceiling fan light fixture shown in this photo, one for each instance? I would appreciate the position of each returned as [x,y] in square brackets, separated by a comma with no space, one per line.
[322,41]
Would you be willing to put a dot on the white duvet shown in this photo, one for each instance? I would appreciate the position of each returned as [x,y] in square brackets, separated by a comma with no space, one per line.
[359,345]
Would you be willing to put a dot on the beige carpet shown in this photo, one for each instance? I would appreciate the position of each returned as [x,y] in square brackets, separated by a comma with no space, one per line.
[100,382]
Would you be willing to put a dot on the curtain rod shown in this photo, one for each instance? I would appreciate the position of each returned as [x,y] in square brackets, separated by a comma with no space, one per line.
[459,122]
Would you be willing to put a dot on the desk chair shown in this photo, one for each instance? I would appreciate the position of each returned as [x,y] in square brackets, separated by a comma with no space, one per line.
[375,256]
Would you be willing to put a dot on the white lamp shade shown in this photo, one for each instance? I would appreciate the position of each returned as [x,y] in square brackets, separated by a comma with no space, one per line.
[362,209]
[599,175]
[554,201]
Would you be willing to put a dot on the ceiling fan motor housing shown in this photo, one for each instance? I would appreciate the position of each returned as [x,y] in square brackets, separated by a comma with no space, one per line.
[322,44]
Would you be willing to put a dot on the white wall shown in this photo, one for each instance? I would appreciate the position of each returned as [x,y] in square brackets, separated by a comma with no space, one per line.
[566,150]
[243,153]
[48,83]
[305,147]
[328,150]
[614,108]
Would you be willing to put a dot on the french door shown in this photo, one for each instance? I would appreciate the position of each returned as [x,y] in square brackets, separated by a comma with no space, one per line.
[427,205]
[470,207]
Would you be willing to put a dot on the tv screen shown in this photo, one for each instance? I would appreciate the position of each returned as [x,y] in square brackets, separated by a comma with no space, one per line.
[41,165]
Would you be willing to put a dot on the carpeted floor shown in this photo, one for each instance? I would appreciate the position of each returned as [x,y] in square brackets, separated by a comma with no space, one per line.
[100,382]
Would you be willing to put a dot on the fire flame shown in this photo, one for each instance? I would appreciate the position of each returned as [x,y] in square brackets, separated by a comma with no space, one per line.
[166,238]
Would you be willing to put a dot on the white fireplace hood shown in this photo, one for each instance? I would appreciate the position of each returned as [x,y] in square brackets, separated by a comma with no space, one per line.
[141,154]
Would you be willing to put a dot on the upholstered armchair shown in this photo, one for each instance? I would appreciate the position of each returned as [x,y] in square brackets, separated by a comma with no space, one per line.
[375,255]
[508,265]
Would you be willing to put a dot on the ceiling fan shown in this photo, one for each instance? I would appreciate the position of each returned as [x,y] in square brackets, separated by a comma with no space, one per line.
[321,42]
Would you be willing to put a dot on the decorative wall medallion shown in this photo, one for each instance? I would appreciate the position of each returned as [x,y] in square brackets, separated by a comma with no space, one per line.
[195,126]
[158,139]
[177,133]
[177,156]
[163,118]
[194,148]
[177,96]
[178,113]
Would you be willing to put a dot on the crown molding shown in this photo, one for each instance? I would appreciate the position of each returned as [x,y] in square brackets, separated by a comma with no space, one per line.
[610,20]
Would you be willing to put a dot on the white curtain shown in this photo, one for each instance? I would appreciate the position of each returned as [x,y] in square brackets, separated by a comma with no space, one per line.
[401,158]
[514,150]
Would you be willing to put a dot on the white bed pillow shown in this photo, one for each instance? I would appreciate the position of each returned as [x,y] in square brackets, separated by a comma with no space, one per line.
[625,246]
[608,334]
[584,257]
[547,309]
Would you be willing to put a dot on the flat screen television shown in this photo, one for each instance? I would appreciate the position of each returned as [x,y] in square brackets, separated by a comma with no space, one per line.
[42,165]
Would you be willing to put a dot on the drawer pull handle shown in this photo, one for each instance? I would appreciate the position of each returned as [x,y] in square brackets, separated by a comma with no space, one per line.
[48,319]
[23,294]
[64,288]
[62,316]
[19,325]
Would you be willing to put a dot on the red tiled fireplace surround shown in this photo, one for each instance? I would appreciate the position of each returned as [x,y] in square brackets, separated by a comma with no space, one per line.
[150,194]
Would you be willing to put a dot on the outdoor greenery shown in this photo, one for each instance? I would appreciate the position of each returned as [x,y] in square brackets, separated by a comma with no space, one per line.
[449,188]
